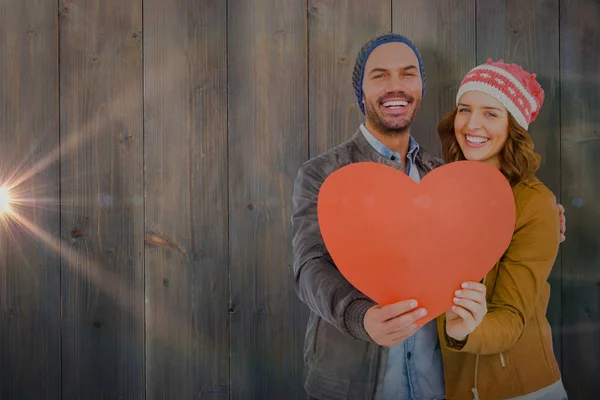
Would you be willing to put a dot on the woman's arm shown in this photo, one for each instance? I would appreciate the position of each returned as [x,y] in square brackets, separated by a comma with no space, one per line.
[522,275]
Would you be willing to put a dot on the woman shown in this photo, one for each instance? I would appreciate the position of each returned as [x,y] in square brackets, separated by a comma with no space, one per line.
[496,342]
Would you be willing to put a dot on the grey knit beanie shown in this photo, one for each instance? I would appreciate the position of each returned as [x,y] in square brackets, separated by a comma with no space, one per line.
[363,55]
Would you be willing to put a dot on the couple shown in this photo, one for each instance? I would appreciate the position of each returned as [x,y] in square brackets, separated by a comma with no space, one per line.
[496,342]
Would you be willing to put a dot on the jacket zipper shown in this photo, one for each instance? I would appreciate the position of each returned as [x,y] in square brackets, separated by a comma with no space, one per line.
[502,362]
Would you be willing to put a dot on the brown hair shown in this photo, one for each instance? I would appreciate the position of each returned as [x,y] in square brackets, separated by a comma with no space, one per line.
[518,160]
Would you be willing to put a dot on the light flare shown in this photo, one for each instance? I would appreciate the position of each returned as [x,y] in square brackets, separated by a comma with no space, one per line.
[5,200]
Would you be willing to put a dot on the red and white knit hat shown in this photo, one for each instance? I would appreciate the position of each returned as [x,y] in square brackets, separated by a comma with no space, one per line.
[515,88]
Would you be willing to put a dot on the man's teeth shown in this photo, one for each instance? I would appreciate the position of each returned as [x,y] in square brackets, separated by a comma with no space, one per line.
[476,139]
[395,103]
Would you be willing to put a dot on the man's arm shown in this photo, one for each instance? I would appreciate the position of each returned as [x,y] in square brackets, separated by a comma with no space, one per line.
[318,282]
[321,286]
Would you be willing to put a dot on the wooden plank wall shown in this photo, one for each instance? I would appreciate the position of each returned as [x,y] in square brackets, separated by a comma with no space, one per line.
[30,352]
[102,212]
[268,141]
[185,152]
[579,167]
[160,141]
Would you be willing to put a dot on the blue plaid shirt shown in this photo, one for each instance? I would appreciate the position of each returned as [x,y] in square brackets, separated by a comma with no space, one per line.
[414,368]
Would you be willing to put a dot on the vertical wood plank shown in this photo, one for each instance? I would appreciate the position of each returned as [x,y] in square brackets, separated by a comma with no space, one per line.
[444,33]
[580,166]
[337,31]
[268,141]
[527,34]
[102,199]
[185,63]
[29,269]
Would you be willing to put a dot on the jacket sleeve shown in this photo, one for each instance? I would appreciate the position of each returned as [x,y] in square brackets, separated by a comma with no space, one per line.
[318,283]
[522,275]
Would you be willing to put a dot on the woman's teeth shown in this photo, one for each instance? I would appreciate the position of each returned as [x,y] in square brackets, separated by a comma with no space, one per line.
[476,139]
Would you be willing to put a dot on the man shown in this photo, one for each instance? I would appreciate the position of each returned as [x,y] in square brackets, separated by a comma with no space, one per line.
[354,348]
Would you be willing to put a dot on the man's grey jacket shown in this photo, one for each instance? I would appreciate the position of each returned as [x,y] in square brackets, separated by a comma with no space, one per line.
[342,361]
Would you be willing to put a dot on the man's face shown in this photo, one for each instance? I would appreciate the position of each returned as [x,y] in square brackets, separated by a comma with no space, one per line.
[392,88]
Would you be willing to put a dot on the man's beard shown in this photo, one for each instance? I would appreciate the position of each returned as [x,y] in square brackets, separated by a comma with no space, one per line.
[397,126]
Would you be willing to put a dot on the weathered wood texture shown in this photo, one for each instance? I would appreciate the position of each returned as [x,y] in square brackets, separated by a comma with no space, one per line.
[268,141]
[337,31]
[580,167]
[29,270]
[528,34]
[444,33]
[177,160]
[187,319]
[102,199]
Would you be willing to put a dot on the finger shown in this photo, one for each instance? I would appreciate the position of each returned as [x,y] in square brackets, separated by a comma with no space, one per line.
[561,208]
[474,308]
[562,238]
[404,321]
[399,337]
[478,287]
[464,314]
[393,310]
[469,294]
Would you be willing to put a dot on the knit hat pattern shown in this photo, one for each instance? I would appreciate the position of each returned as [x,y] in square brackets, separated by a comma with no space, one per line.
[363,55]
[512,86]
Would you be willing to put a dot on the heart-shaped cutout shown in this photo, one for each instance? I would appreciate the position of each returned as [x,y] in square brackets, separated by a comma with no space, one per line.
[395,239]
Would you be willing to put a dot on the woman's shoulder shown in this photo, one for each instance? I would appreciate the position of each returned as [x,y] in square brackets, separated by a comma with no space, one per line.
[532,194]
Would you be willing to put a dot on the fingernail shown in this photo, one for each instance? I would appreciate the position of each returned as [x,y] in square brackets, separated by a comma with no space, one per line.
[465,285]
[458,292]
[413,303]
[422,312]
[456,300]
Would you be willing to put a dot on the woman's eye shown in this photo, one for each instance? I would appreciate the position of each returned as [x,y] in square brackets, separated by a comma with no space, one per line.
[463,110]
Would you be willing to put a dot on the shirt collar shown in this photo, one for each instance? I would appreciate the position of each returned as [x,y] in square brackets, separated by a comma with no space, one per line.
[413,146]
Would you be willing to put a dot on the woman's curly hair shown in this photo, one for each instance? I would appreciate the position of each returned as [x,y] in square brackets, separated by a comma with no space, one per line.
[518,160]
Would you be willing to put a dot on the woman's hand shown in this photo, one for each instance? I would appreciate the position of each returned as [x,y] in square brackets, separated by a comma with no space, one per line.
[468,312]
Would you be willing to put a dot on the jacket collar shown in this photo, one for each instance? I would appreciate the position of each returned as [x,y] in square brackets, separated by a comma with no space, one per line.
[425,162]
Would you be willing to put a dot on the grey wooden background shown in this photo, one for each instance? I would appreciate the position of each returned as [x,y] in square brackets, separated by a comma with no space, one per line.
[159,141]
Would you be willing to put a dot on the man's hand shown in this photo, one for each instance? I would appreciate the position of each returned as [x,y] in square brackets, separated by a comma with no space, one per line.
[467,314]
[392,324]
[563,222]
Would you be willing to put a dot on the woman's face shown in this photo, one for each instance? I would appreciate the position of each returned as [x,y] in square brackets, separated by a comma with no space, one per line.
[481,127]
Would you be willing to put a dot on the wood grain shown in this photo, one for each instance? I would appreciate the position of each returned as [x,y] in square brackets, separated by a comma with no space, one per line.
[102,216]
[185,147]
[268,141]
[29,139]
[580,166]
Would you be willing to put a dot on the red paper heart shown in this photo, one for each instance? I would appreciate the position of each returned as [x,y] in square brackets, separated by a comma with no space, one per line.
[394,239]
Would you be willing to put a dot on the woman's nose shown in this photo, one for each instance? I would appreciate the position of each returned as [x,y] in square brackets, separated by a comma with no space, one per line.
[474,122]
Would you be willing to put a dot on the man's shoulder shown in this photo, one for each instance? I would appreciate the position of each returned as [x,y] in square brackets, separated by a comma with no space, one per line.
[332,159]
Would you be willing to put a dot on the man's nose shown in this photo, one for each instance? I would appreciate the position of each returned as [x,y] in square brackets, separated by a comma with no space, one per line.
[396,84]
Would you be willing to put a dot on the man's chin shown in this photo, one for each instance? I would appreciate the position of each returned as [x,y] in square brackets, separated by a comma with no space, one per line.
[396,127]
